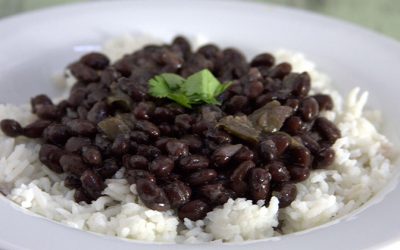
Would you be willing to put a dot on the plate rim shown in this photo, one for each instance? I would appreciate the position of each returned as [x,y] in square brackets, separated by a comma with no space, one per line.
[20,17]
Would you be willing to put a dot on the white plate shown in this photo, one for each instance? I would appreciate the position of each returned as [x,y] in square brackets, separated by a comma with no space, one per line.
[35,45]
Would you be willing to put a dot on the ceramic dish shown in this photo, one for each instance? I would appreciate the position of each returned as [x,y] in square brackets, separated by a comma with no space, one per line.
[36,45]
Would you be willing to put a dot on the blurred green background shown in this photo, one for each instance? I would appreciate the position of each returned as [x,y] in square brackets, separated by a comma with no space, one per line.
[380,15]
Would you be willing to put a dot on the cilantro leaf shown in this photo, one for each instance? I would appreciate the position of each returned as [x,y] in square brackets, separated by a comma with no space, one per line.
[159,87]
[201,87]
[202,83]
[221,88]
[181,99]
[174,81]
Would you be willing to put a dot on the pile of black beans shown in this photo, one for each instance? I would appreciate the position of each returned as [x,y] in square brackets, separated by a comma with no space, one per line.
[179,158]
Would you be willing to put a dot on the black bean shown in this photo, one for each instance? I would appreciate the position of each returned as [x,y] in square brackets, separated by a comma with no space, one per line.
[244,154]
[184,122]
[95,60]
[300,84]
[92,183]
[286,194]
[178,193]
[81,127]
[310,143]
[195,63]
[223,154]
[194,210]
[56,133]
[148,151]
[182,45]
[237,103]
[72,182]
[201,127]
[236,88]
[163,114]
[148,127]
[240,188]
[293,103]
[40,100]
[209,51]
[176,148]
[50,156]
[268,150]
[264,99]
[82,112]
[63,106]
[135,162]
[108,169]
[139,136]
[324,158]
[161,143]
[219,136]
[175,108]
[76,97]
[102,142]
[92,156]
[309,109]
[48,112]
[240,173]
[259,183]
[123,67]
[75,144]
[138,92]
[193,162]
[202,176]
[35,129]
[81,196]
[254,74]
[166,129]
[325,102]
[298,174]
[84,73]
[327,129]
[151,195]
[265,59]
[293,125]
[73,164]
[11,128]
[281,141]
[278,171]
[144,110]
[280,70]
[100,94]
[161,166]
[194,143]
[215,193]
[299,156]
[253,89]
[172,61]
[133,175]
[233,64]
[98,112]
[121,145]
[108,76]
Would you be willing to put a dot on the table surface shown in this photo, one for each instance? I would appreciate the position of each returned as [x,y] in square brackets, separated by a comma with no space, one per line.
[380,15]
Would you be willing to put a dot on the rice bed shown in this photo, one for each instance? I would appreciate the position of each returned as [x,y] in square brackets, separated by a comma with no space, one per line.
[363,164]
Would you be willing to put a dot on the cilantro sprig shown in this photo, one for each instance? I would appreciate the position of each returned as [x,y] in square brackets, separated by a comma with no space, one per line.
[201,87]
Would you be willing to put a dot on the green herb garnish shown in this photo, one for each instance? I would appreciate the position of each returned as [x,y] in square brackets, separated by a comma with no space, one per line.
[201,87]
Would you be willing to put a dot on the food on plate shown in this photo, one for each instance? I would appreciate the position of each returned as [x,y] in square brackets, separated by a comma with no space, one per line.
[170,143]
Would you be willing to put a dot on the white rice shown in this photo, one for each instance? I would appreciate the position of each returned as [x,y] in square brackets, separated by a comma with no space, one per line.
[364,163]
